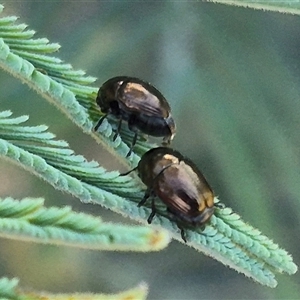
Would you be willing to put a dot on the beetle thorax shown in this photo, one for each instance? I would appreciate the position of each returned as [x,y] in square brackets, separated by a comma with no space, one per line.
[166,161]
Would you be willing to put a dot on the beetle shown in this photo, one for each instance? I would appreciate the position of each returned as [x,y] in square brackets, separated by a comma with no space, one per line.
[179,184]
[140,104]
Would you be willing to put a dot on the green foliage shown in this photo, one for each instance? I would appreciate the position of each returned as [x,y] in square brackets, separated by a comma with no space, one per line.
[285,6]
[9,290]
[224,239]
[227,238]
[28,220]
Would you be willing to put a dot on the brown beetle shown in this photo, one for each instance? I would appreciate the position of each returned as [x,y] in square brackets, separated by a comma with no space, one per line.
[179,184]
[140,104]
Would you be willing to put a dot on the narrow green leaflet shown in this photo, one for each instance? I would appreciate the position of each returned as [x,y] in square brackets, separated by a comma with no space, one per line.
[29,220]
[283,6]
[10,290]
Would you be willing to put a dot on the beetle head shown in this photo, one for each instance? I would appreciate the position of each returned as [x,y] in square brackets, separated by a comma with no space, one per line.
[107,94]
[153,163]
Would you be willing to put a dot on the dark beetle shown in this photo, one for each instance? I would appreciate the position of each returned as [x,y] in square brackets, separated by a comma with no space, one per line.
[179,184]
[140,104]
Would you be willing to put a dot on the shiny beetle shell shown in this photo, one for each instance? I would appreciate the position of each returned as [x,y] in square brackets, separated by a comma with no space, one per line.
[179,184]
[140,104]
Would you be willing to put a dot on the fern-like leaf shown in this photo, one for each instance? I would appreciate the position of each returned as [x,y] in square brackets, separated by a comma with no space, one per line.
[9,290]
[29,220]
[28,59]
[286,6]
[226,238]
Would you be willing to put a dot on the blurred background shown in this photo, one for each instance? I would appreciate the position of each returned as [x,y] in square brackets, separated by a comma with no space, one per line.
[231,76]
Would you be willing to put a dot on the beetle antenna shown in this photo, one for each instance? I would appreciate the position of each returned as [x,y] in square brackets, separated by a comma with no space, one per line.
[126,173]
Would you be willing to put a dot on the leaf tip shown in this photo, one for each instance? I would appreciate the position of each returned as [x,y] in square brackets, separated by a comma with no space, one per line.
[159,239]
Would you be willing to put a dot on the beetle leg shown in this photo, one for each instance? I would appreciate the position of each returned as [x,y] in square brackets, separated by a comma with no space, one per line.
[99,122]
[118,130]
[129,152]
[142,202]
[145,198]
[132,127]
[173,218]
[182,233]
[153,212]
[132,145]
